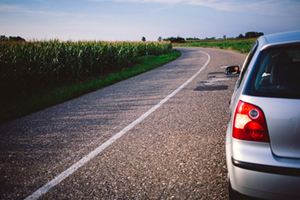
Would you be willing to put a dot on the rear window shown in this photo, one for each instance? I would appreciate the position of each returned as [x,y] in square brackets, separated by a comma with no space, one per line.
[277,73]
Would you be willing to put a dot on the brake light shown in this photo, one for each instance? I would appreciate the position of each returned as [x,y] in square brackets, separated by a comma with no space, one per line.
[249,123]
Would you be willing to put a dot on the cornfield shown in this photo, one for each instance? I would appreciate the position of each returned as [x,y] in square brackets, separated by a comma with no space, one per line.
[30,67]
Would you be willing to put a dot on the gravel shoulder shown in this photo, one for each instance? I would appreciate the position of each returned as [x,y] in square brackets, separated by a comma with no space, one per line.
[177,152]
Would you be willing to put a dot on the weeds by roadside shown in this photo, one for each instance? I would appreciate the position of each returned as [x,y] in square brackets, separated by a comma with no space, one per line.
[25,105]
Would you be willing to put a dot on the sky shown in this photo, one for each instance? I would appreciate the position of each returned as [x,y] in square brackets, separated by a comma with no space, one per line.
[130,20]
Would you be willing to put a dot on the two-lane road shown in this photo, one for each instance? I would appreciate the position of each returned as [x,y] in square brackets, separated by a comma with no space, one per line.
[159,135]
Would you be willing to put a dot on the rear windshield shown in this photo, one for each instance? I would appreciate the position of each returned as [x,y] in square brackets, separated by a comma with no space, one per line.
[277,73]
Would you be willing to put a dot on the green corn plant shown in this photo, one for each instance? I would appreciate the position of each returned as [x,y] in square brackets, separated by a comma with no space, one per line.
[31,67]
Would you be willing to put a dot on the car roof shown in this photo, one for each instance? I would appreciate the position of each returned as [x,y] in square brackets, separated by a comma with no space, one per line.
[278,39]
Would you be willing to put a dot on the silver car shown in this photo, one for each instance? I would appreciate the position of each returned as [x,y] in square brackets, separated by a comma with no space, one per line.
[263,134]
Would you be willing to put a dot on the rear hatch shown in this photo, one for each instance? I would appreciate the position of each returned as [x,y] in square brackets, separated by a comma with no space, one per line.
[283,122]
[274,86]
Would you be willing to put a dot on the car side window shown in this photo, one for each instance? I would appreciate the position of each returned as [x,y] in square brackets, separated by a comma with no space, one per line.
[246,63]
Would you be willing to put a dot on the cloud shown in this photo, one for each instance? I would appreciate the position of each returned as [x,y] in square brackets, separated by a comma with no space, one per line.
[144,1]
[265,7]
[11,8]
[21,9]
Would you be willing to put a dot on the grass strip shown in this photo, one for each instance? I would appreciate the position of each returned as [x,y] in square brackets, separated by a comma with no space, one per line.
[28,105]
[238,45]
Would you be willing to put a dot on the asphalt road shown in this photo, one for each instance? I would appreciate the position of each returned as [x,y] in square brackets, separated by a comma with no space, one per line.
[176,151]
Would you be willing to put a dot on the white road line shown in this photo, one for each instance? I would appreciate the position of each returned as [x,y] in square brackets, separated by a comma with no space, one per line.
[43,190]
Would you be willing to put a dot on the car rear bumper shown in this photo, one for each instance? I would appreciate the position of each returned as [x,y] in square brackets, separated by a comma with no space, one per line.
[254,171]
[288,171]
[265,185]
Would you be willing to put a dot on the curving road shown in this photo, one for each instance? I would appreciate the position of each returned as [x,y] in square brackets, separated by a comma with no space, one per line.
[159,135]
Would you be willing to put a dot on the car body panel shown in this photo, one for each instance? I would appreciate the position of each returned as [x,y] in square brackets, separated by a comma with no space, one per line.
[283,121]
[256,184]
[267,170]
[279,39]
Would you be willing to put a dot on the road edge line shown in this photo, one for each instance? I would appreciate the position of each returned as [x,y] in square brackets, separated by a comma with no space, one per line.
[43,190]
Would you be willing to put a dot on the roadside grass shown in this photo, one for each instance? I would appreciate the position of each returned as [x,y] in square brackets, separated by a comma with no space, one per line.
[27,105]
[238,45]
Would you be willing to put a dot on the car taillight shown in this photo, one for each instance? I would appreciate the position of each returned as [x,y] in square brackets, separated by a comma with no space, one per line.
[249,123]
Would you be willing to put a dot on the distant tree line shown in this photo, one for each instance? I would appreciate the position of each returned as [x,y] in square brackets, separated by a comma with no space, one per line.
[175,39]
[12,38]
[251,35]
[178,39]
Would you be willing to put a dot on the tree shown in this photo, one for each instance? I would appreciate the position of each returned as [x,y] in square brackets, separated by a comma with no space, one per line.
[176,40]
[260,34]
[143,39]
[240,36]
[253,34]
[190,38]
[12,38]
[159,39]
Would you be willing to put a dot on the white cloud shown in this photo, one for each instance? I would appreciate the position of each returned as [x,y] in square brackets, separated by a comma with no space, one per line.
[21,9]
[144,1]
[266,7]
[11,8]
